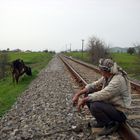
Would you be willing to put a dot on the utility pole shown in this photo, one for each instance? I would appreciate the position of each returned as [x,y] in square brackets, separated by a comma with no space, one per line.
[82,47]
[66,47]
[70,47]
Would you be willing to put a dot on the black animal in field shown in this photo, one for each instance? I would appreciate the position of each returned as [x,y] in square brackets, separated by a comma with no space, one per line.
[18,69]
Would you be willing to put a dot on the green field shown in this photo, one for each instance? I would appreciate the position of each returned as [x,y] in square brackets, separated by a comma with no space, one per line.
[82,56]
[130,63]
[8,91]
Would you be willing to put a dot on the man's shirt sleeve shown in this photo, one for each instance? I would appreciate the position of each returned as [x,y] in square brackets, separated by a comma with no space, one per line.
[112,89]
[94,85]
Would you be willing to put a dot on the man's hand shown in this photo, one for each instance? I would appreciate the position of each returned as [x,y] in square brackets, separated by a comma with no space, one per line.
[77,95]
[75,99]
[82,103]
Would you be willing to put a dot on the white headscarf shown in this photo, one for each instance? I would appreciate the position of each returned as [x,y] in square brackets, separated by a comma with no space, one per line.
[110,66]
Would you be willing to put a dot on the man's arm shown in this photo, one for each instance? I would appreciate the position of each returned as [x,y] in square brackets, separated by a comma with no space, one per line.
[111,90]
[88,88]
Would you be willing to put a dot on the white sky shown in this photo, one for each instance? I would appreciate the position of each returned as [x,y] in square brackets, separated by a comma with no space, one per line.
[54,24]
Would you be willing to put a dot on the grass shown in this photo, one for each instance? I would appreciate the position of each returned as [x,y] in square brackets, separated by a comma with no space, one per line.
[130,63]
[8,91]
[79,55]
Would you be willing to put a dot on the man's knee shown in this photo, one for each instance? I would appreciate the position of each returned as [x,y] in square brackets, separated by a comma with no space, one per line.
[96,106]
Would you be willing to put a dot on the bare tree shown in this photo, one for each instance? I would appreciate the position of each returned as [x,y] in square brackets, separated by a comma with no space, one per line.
[97,49]
[137,46]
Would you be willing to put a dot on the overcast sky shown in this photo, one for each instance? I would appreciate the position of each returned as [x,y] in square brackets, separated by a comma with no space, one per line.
[54,24]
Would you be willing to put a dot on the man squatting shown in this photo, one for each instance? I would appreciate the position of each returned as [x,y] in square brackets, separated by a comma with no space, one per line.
[108,104]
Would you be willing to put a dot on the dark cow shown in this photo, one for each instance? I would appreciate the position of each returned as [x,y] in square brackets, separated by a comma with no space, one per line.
[19,68]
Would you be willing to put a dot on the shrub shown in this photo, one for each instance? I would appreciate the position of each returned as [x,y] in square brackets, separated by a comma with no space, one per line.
[4,57]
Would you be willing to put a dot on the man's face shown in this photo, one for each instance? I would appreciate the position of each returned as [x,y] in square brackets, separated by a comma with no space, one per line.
[104,73]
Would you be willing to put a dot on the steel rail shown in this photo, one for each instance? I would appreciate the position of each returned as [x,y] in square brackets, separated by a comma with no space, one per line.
[134,85]
[125,130]
[77,75]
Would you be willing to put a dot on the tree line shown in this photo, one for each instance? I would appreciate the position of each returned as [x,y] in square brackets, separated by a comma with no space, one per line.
[99,49]
[4,63]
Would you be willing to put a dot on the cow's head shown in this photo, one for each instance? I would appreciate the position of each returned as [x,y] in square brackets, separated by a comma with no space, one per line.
[28,71]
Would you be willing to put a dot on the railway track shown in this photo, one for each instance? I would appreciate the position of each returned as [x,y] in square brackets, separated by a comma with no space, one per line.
[86,73]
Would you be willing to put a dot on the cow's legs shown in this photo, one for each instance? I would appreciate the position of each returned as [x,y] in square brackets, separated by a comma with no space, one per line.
[13,77]
[17,77]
